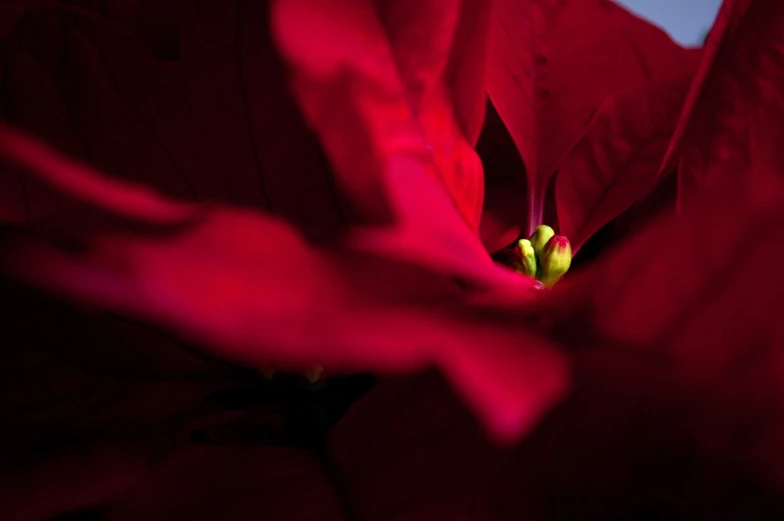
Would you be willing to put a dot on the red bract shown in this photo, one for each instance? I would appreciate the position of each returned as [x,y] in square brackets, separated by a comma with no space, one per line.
[699,298]
[734,119]
[306,306]
[145,113]
[366,470]
[211,126]
[391,100]
[695,312]
[377,265]
[557,70]
[616,162]
[222,273]
[306,279]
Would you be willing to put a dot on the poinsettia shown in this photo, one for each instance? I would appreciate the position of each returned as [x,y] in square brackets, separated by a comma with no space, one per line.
[395,106]
[591,113]
[141,97]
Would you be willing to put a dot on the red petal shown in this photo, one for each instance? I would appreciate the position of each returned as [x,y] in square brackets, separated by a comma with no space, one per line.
[83,183]
[697,299]
[394,149]
[466,71]
[88,400]
[562,60]
[733,124]
[253,290]
[80,479]
[616,163]
[217,124]
[408,450]
[255,303]
[440,244]
[620,448]
[421,36]
[375,87]
[506,197]
[234,484]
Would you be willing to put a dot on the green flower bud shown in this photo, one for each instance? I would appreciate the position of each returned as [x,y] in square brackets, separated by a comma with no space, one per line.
[539,239]
[555,260]
[524,258]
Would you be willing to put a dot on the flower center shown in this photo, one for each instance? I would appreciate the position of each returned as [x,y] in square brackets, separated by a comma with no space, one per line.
[544,256]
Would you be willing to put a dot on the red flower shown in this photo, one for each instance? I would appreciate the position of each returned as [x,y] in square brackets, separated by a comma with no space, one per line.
[674,349]
[590,95]
[145,108]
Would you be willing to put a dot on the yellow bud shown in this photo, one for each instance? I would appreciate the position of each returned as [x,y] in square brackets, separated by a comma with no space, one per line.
[542,234]
[555,260]
[524,258]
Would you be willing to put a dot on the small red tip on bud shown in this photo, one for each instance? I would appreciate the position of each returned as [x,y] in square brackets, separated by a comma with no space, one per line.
[555,260]
[558,242]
